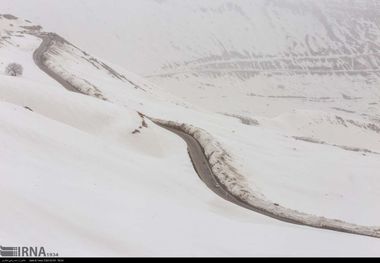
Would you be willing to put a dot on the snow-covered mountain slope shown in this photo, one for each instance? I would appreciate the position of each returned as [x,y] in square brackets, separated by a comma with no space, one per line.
[136,193]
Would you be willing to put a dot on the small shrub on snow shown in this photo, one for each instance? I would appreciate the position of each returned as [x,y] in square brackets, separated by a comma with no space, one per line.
[14,69]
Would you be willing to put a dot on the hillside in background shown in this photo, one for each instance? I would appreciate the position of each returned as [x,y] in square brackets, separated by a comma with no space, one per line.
[262,35]
[285,51]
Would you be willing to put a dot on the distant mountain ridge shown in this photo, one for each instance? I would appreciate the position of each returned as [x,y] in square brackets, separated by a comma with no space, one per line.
[296,37]
[240,36]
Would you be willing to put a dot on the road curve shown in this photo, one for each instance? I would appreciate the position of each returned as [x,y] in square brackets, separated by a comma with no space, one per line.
[40,59]
[195,149]
[202,166]
[203,169]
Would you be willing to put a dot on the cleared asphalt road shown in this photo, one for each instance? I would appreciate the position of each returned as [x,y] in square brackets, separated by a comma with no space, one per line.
[39,60]
[202,166]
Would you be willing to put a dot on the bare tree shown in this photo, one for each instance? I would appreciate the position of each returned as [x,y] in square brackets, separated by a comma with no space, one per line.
[14,69]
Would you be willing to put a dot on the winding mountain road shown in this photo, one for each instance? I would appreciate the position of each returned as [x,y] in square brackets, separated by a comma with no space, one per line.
[201,163]
[203,169]
[205,173]
[196,153]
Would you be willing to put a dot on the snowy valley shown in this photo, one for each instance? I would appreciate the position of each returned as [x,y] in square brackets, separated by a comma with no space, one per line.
[282,95]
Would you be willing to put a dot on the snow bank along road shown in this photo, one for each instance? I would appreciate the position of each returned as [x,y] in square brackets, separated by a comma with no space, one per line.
[202,166]
[205,170]
[39,59]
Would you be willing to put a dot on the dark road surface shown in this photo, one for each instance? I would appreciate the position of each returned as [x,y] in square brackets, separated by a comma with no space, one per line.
[39,60]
